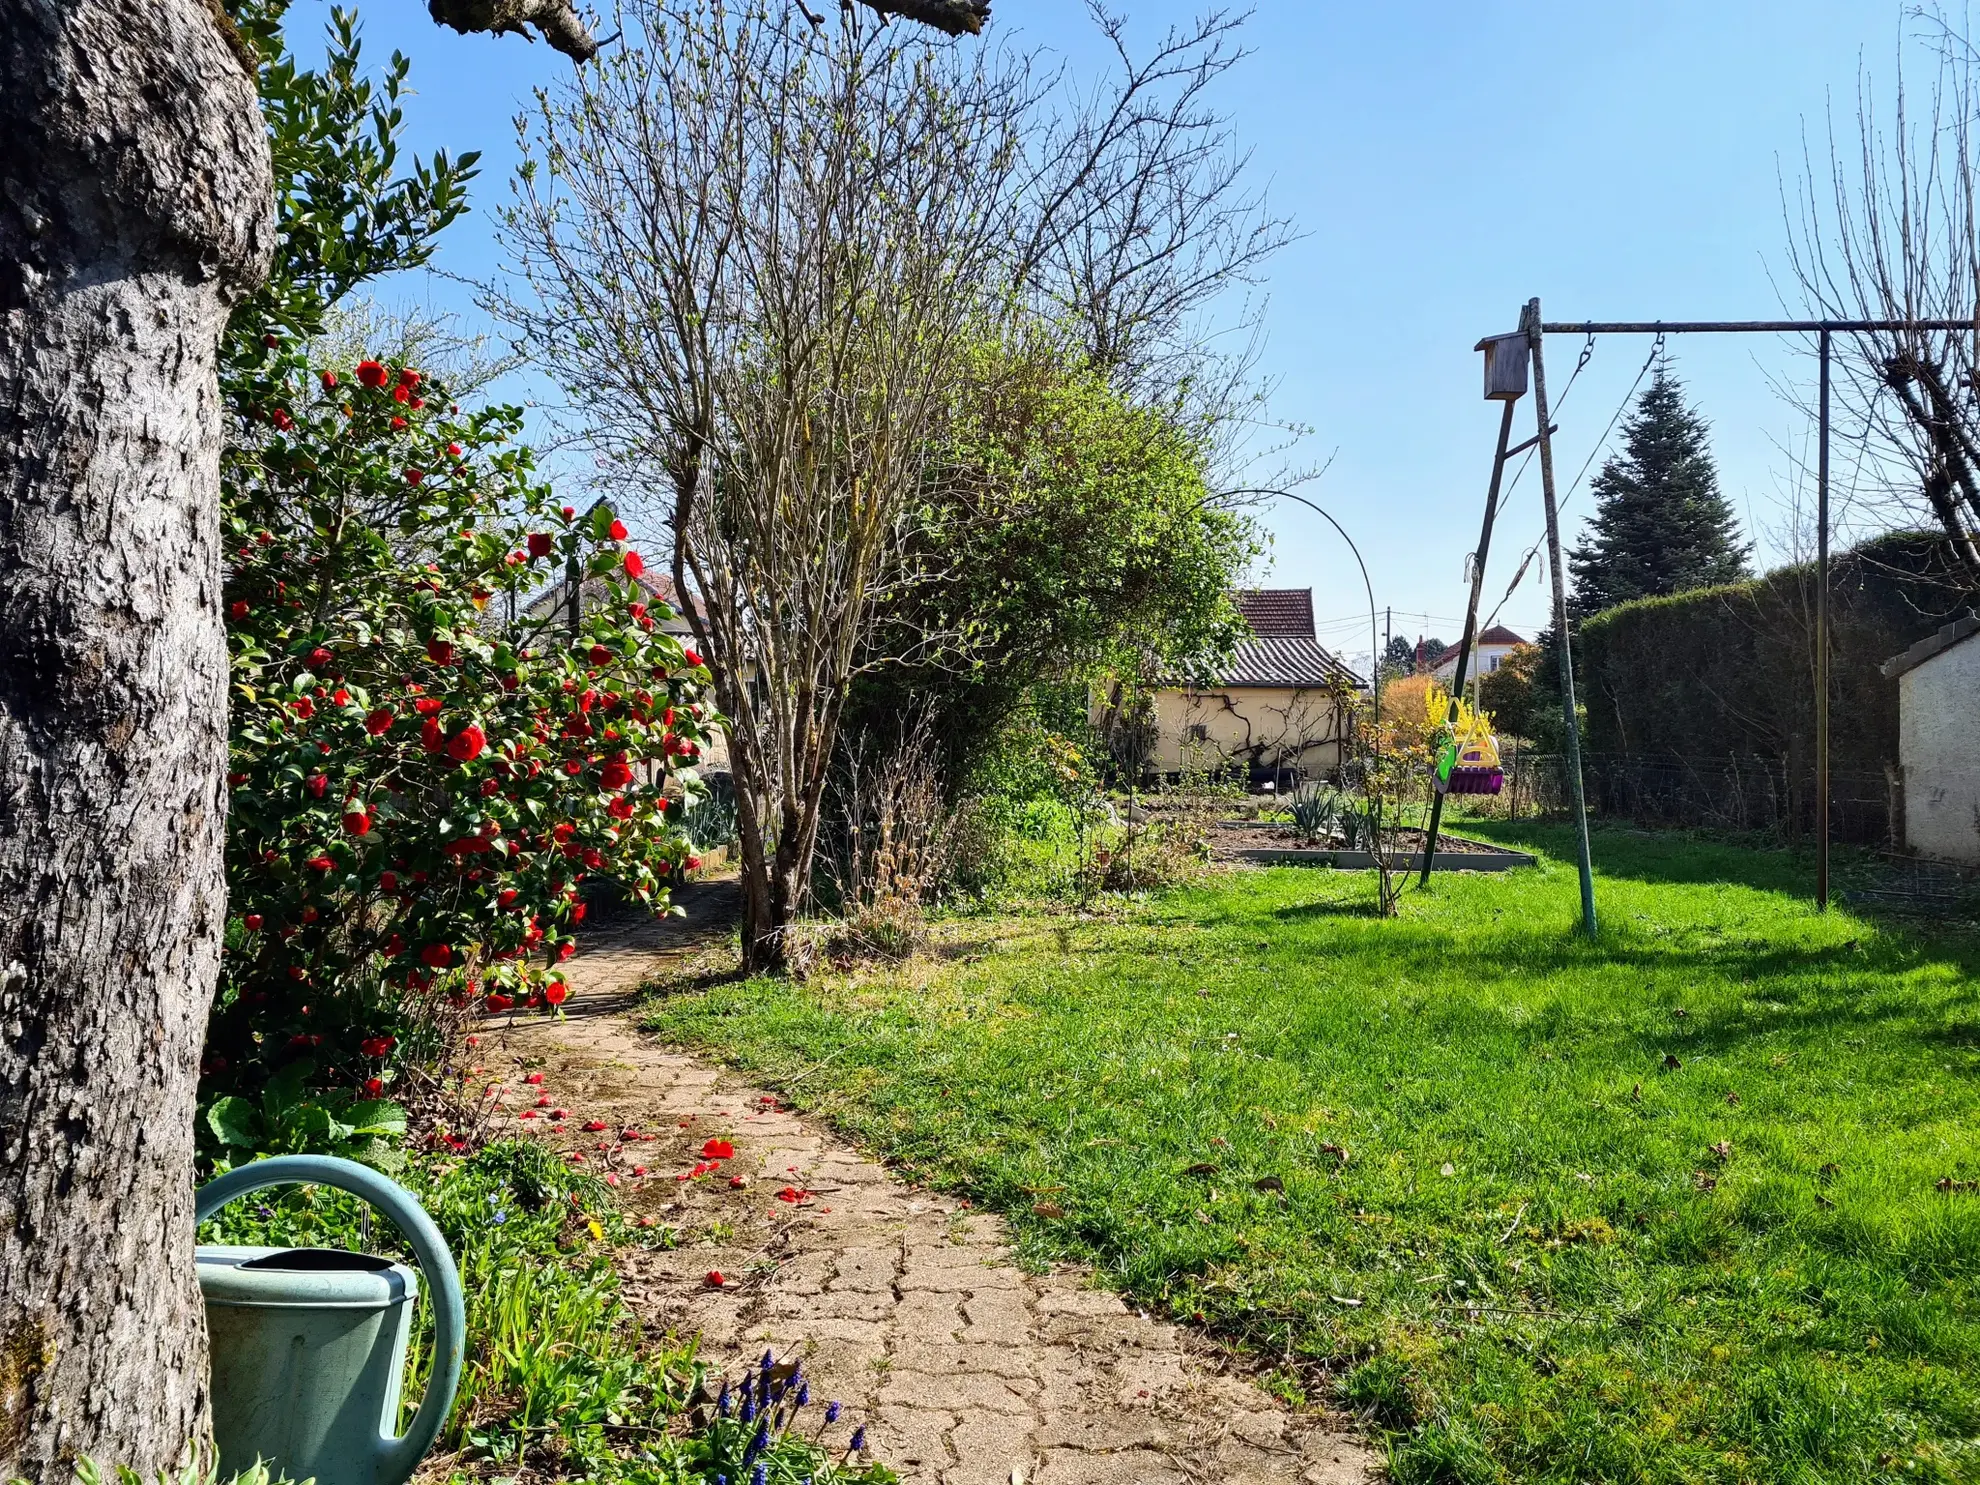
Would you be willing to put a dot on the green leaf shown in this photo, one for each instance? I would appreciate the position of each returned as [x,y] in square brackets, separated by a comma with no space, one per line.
[235,1122]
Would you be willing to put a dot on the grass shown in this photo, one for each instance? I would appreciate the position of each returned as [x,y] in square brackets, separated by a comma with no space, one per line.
[1664,1207]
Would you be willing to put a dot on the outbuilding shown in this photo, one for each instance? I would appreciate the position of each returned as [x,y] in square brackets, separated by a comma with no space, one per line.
[1279,710]
[1939,741]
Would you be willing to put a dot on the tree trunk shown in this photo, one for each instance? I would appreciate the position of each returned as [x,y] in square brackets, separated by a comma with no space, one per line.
[135,206]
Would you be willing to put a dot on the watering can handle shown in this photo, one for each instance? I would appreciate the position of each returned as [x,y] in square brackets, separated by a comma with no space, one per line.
[443,1281]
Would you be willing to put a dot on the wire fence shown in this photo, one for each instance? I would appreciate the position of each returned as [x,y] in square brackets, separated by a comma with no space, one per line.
[1731,793]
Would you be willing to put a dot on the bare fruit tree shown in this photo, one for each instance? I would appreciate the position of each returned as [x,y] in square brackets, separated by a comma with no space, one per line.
[1890,230]
[757,251]
[753,250]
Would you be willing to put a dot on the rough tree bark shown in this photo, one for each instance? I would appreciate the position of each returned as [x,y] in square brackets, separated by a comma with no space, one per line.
[135,207]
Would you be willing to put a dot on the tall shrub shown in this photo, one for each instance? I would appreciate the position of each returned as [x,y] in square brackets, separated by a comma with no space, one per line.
[420,785]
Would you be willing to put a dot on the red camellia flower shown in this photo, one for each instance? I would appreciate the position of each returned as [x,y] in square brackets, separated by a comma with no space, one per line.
[304,708]
[414,476]
[317,785]
[438,956]
[466,744]
[619,531]
[400,394]
[573,767]
[379,722]
[237,610]
[388,881]
[427,706]
[431,737]
[498,1002]
[718,1150]
[715,1279]
[397,424]
[556,992]
[694,863]
[373,1087]
[635,564]
[320,658]
[616,773]
[357,822]
[329,381]
[408,377]
[541,543]
[371,373]
[600,655]
[320,863]
[690,659]
[565,950]
[453,451]
[377,1046]
[252,922]
[440,652]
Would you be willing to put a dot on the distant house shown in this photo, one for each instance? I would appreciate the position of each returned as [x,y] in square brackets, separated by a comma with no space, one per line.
[554,602]
[551,608]
[1938,721]
[1488,652]
[1275,709]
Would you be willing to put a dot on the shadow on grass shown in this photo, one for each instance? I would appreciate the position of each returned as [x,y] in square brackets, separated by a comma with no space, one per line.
[1327,908]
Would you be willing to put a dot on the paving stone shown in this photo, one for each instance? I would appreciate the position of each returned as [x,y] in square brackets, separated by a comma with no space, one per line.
[958,1392]
[999,1316]
[912,1436]
[939,1355]
[842,1304]
[987,1447]
[870,1270]
[1103,1427]
[933,1316]
[1134,1467]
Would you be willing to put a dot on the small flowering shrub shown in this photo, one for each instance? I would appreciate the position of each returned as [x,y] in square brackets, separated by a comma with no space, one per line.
[422,778]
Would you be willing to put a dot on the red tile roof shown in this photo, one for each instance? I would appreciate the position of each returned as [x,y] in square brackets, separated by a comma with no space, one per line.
[1277,613]
[1498,634]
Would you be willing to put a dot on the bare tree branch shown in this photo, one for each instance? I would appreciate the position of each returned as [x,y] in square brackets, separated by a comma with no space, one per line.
[952,17]
[558,20]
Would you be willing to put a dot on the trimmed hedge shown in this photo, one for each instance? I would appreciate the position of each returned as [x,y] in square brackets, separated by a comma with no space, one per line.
[1729,672]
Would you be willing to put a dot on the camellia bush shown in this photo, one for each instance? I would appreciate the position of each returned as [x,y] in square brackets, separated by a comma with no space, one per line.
[423,778]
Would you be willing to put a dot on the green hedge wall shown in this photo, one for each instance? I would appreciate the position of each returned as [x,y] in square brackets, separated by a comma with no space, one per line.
[1729,672]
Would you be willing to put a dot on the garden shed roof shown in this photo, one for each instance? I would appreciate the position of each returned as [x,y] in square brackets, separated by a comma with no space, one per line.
[1935,644]
[1297,661]
[1277,613]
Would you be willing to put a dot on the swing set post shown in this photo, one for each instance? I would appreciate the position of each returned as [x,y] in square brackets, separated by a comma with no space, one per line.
[1470,616]
[1530,322]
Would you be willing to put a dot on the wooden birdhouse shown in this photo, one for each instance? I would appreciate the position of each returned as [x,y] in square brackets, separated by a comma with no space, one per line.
[1505,366]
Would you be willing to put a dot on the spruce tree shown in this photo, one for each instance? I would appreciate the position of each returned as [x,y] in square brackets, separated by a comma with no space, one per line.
[1660,525]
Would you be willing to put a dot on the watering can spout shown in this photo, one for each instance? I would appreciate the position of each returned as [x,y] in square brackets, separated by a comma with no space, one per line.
[309,1344]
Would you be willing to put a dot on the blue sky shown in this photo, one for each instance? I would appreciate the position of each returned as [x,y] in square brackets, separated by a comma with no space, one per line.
[1445,162]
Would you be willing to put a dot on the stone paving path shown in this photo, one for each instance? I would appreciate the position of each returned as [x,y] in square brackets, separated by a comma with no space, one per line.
[964,1369]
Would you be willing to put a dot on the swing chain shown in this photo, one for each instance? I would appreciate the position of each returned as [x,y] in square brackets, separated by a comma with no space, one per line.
[1588,353]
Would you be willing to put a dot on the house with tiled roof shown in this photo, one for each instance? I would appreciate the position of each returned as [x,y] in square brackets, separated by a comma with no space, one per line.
[1277,710]
[1488,653]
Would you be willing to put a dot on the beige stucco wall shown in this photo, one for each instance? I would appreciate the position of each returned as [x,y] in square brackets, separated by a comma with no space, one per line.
[1939,746]
[1298,727]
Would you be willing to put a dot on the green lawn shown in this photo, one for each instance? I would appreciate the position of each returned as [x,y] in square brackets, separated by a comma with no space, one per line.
[1504,1232]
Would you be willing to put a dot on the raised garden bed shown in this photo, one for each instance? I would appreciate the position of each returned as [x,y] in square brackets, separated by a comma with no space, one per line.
[1269,844]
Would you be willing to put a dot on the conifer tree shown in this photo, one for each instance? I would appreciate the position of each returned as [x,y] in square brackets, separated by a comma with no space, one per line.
[1661,525]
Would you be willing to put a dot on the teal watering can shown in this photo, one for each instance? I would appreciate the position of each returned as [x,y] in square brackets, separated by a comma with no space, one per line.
[309,1344]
